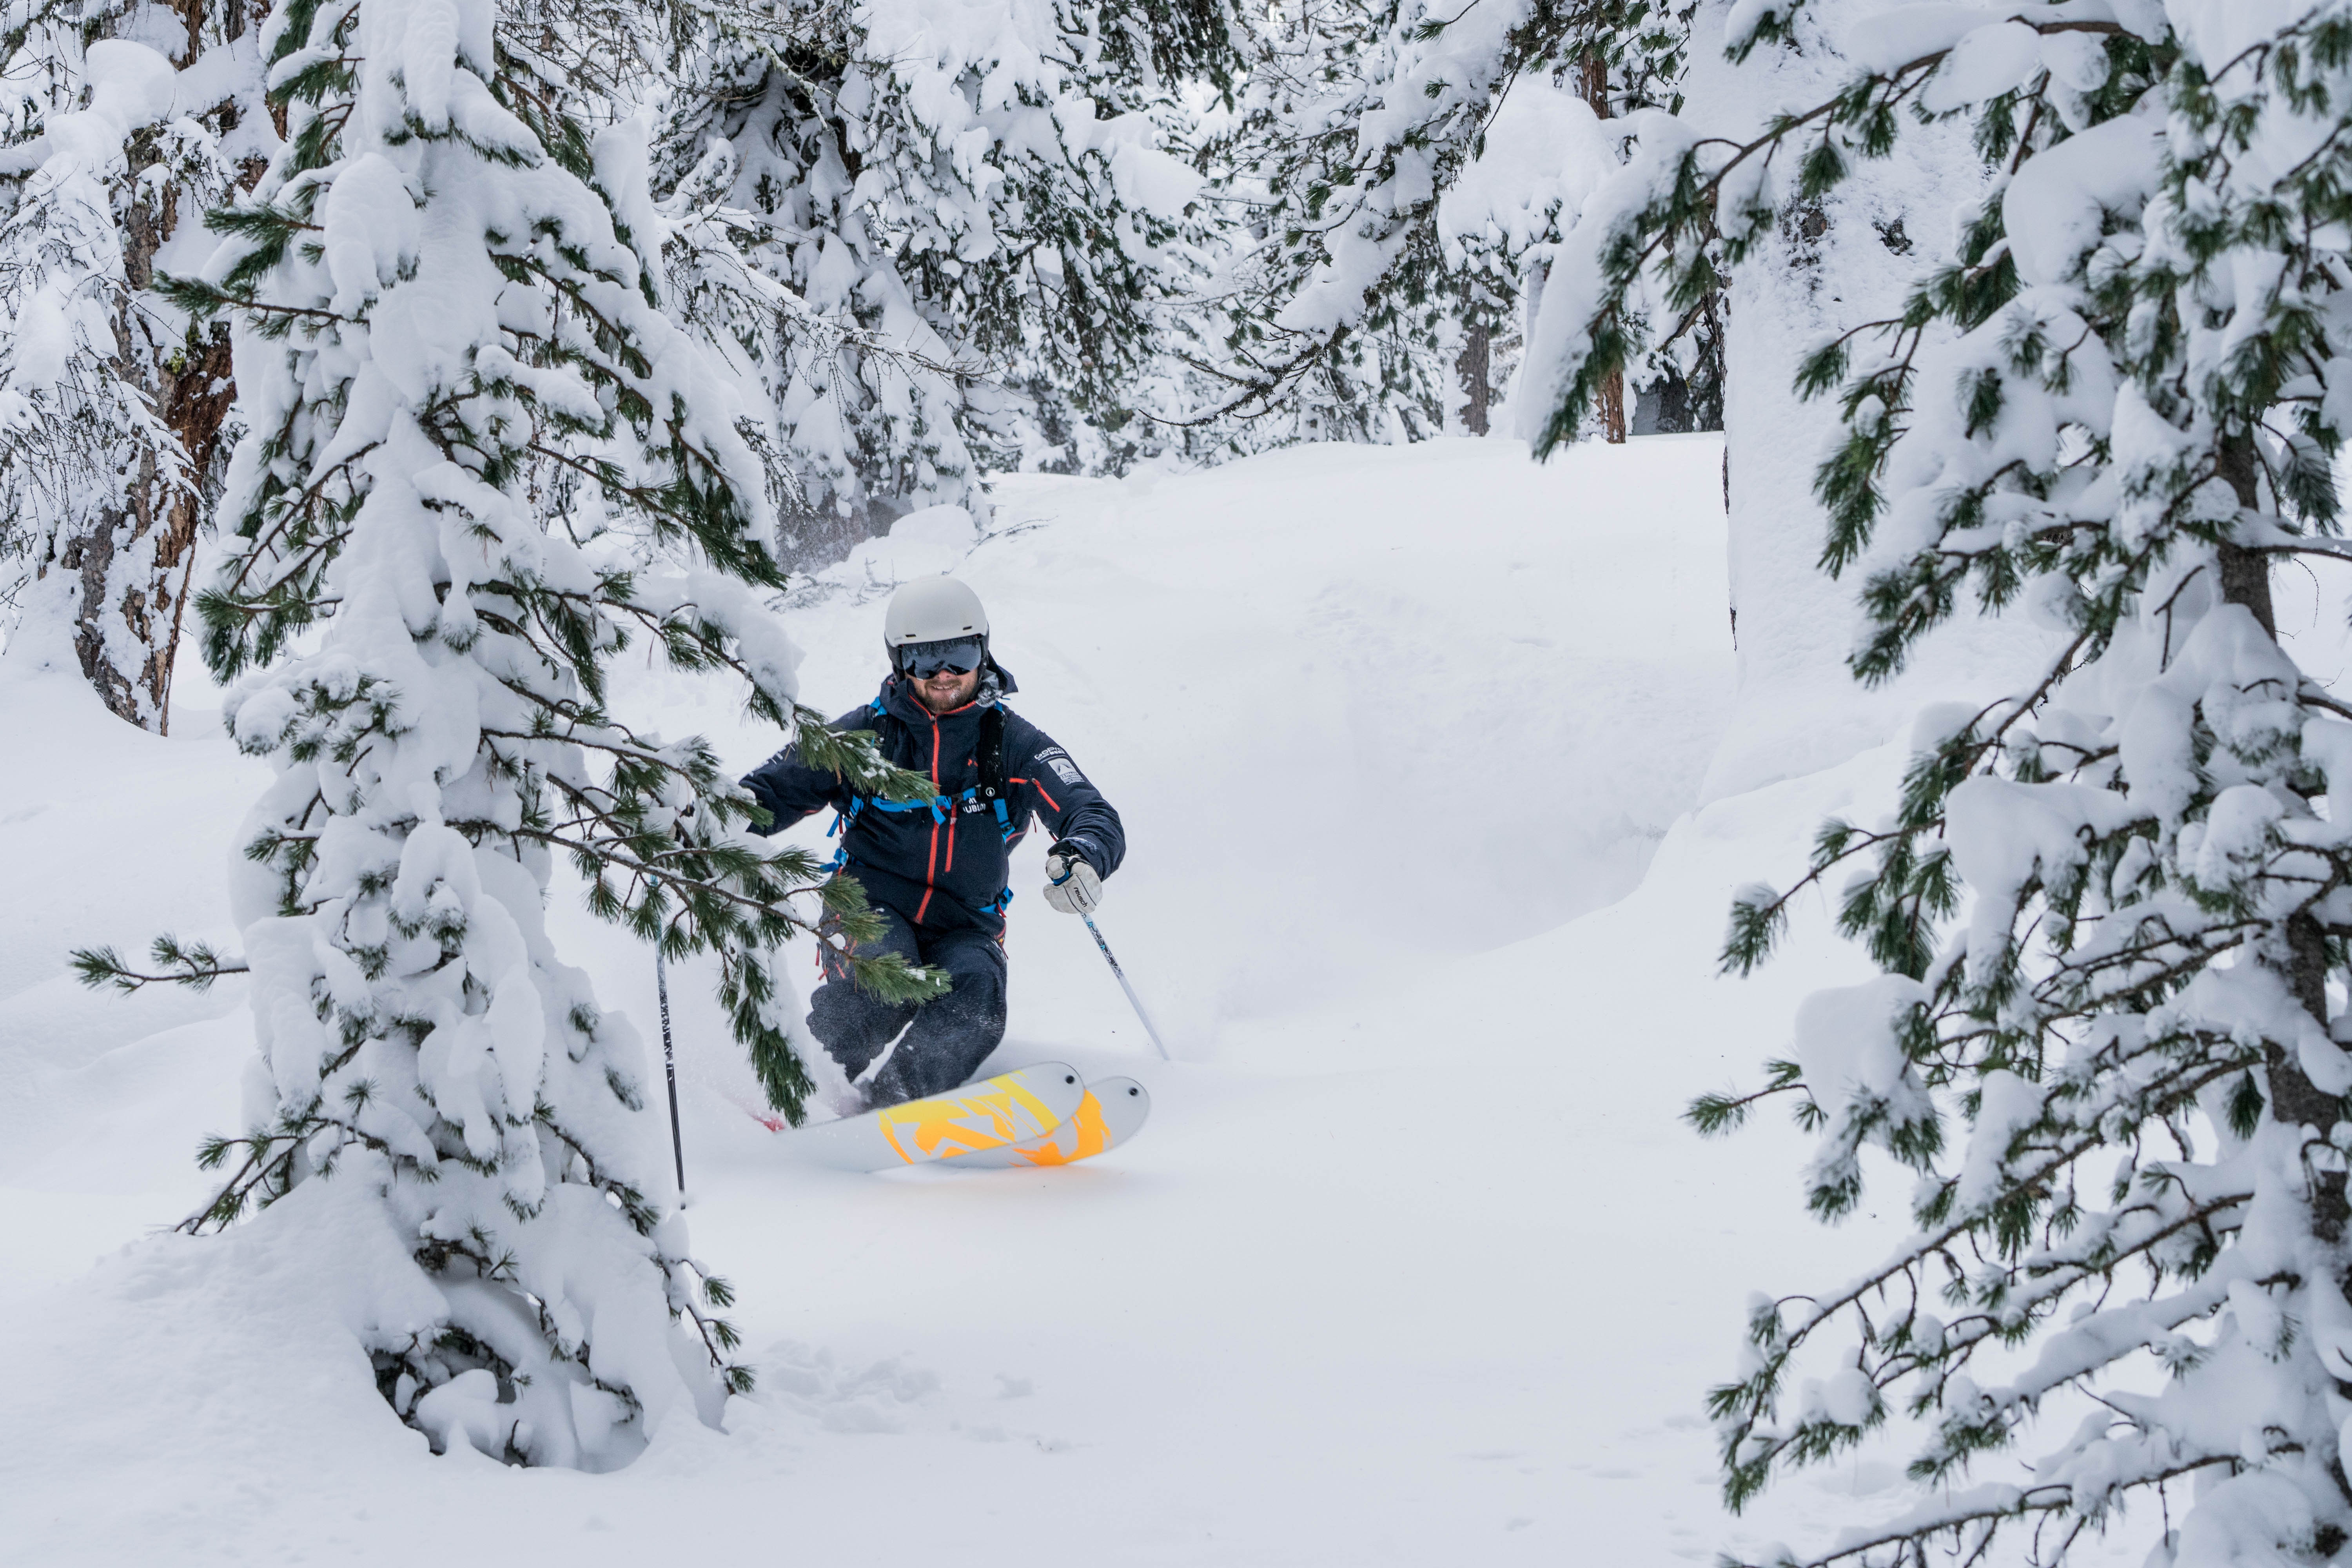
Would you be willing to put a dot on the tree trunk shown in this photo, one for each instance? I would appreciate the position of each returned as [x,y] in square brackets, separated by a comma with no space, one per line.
[130,574]
[1611,406]
[2295,1101]
[1592,79]
[131,569]
[1475,366]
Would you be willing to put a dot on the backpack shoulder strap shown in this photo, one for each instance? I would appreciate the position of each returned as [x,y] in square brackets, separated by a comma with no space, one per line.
[991,758]
[991,755]
[877,718]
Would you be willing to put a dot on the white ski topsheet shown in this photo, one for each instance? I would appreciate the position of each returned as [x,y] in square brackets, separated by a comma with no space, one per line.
[998,1112]
[1113,1111]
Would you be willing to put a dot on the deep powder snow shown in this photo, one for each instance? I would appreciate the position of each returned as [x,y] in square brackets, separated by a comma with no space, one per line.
[1415,1264]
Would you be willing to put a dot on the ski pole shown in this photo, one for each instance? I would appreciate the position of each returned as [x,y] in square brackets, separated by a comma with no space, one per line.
[670,1067]
[1133,1000]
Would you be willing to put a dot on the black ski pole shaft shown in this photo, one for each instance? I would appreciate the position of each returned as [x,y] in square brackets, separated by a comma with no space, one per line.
[1132,999]
[669,1067]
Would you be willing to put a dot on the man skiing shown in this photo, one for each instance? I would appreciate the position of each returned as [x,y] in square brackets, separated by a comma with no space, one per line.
[935,872]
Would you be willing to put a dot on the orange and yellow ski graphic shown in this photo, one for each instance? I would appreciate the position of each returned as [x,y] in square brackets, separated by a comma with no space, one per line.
[1005,1111]
[1012,1109]
[1112,1112]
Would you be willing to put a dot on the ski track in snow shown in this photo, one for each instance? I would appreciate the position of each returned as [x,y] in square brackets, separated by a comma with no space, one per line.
[1415,1263]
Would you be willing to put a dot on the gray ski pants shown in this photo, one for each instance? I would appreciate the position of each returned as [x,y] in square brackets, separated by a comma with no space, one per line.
[946,1040]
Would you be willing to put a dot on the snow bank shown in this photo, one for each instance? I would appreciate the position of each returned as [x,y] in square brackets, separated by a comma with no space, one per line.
[110,835]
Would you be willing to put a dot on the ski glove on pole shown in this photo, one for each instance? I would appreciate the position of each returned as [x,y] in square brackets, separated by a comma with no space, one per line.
[1071,885]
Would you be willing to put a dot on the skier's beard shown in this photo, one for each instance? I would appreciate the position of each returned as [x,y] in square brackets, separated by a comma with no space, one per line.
[947,689]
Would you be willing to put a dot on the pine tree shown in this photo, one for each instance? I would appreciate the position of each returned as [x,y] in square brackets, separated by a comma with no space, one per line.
[1345,318]
[444,291]
[2111,904]
[111,403]
[973,228]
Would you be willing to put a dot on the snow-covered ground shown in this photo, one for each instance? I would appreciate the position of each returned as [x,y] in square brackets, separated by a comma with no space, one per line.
[1415,1265]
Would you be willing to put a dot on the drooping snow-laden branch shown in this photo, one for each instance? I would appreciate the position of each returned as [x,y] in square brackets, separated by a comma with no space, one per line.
[1971,1521]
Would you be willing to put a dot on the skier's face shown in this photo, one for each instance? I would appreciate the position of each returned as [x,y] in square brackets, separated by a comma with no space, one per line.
[947,689]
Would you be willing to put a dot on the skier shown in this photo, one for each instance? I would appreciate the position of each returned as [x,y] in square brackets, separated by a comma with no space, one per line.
[936,872]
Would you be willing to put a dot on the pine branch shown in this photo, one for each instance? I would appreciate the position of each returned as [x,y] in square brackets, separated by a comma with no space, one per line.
[1713,1115]
[194,965]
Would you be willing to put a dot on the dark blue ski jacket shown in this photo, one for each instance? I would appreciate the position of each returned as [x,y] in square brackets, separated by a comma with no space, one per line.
[946,869]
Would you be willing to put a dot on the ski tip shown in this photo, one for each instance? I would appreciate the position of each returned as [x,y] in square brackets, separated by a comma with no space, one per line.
[1112,1112]
[1123,1099]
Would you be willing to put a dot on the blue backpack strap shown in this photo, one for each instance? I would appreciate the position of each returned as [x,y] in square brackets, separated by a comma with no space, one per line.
[939,806]
[846,818]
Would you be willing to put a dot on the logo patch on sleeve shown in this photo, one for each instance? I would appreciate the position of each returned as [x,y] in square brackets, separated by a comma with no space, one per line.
[1064,770]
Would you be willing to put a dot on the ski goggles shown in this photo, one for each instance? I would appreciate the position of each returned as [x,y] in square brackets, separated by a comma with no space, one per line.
[923,660]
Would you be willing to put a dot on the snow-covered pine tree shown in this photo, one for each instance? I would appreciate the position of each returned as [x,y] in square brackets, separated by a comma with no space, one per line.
[2113,905]
[436,295]
[1359,131]
[972,215]
[122,124]
[1850,252]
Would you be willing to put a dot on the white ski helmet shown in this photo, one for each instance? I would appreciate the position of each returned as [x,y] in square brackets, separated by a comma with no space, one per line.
[933,609]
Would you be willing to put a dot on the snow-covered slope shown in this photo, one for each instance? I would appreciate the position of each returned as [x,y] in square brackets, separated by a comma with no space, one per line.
[1415,1264]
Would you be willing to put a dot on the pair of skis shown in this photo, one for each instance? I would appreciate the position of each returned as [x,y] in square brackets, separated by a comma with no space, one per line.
[1034,1116]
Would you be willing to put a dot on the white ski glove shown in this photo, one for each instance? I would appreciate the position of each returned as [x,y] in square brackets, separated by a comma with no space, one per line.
[1071,885]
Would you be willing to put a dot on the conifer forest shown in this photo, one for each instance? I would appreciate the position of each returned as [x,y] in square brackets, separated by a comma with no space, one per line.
[1695,653]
